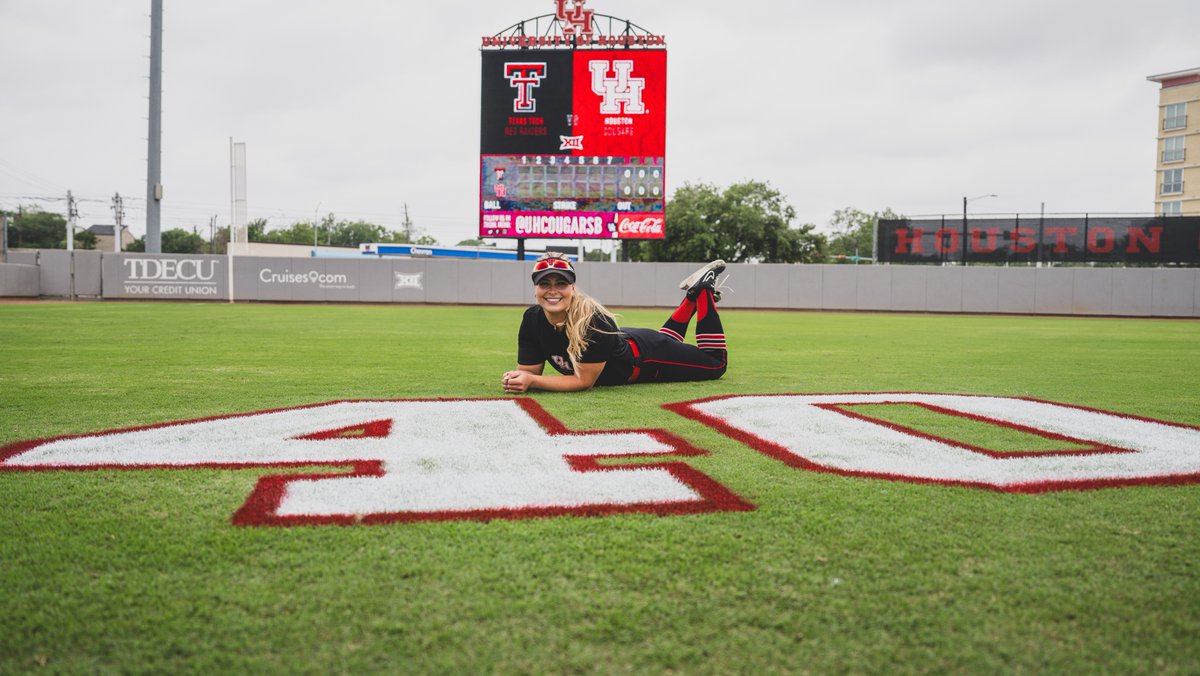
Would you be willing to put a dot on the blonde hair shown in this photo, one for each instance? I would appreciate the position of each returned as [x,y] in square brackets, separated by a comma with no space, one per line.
[579,318]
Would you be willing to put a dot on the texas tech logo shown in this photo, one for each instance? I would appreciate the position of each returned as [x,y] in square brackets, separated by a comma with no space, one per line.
[622,93]
[577,21]
[524,77]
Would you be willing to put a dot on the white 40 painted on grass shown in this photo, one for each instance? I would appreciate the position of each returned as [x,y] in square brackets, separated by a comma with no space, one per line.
[408,461]
[823,432]
[431,460]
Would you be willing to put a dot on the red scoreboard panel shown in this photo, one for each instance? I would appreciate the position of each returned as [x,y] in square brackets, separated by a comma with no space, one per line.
[573,144]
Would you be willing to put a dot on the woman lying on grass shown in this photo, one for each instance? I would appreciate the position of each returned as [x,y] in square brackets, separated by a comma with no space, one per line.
[580,338]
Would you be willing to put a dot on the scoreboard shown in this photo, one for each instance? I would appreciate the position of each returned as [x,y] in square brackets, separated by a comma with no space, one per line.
[573,143]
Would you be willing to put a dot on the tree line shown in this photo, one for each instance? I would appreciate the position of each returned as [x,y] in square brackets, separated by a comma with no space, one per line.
[747,222]
[35,229]
[752,222]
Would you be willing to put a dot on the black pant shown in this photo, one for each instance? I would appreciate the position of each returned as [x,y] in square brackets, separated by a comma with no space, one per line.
[662,356]
[662,359]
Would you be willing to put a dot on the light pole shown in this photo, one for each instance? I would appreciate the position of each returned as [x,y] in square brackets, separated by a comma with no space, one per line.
[964,223]
[316,215]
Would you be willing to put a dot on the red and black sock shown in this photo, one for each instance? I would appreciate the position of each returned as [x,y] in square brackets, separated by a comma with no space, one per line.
[710,335]
[676,325]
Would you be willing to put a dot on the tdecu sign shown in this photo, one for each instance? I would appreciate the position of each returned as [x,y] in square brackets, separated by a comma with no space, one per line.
[169,270]
[170,277]
[418,460]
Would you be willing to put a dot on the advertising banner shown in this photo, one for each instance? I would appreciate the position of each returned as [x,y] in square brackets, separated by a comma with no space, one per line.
[298,279]
[573,142]
[1124,240]
[164,276]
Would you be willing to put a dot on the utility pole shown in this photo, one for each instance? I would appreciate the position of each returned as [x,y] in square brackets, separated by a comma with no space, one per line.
[212,237]
[407,225]
[72,216]
[964,223]
[1041,231]
[875,239]
[118,207]
[4,236]
[154,189]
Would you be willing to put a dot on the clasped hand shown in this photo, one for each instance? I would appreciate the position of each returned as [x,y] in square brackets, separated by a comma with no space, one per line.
[516,382]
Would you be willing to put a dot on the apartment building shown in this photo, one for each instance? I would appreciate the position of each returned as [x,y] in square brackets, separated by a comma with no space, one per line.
[1177,173]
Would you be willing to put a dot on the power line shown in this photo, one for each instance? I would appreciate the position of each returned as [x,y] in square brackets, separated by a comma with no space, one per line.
[30,178]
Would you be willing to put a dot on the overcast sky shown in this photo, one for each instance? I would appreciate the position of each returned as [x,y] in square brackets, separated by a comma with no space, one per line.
[358,107]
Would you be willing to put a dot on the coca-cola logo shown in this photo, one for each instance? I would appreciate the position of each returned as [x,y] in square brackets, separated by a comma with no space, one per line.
[640,225]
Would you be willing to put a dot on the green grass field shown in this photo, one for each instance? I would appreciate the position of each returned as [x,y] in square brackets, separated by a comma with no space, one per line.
[142,571]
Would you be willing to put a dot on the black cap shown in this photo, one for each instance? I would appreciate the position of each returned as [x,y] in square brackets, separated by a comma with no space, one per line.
[553,265]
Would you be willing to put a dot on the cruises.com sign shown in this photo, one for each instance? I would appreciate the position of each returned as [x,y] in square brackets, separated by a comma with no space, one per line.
[320,279]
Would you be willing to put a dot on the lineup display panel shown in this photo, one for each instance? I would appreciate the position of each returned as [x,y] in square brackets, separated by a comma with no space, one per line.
[572,144]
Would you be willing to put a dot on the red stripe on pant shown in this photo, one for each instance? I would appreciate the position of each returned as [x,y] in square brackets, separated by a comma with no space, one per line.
[637,371]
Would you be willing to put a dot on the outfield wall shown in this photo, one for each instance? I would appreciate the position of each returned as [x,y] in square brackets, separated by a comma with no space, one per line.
[1139,292]
[19,281]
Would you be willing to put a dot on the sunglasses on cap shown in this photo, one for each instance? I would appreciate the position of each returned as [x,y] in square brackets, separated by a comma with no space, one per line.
[552,265]
[547,263]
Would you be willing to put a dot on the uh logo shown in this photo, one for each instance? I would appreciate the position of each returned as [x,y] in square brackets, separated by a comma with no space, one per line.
[577,21]
[622,93]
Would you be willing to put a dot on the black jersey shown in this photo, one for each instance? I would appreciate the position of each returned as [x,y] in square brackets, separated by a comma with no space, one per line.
[539,342]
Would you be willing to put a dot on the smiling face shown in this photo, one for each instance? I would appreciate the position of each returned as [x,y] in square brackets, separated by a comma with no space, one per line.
[554,294]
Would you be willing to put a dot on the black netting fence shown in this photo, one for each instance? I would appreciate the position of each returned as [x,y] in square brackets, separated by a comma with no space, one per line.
[1162,240]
